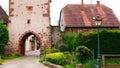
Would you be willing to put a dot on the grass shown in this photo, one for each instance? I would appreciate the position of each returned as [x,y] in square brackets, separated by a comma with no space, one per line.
[6,58]
[113,62]
[88,64]
[70,66]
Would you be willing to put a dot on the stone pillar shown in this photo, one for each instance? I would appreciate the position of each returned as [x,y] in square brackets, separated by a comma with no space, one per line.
[103,61]
[79,66]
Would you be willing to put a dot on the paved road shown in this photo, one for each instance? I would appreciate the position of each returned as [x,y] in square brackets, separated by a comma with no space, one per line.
[33,53]
[24,62]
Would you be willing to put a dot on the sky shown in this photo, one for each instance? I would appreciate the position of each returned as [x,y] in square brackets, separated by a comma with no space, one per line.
[57,5]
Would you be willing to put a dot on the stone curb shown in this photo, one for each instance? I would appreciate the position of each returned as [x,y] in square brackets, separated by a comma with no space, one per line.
[52,65]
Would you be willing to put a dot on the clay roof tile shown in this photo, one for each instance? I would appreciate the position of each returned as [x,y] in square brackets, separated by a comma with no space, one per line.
[74,16]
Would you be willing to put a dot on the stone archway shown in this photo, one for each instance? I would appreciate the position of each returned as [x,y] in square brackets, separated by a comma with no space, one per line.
[23,38]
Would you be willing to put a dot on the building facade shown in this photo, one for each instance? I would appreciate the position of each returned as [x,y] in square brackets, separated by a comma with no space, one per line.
[28,17]
[78,17]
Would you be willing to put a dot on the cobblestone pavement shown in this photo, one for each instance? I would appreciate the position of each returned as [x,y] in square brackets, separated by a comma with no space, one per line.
[24,62]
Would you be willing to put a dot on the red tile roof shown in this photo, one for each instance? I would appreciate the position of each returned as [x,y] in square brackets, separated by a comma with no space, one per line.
[74,16]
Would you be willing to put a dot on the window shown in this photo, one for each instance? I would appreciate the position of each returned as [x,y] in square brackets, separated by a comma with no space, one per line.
[29,8]
[28,21]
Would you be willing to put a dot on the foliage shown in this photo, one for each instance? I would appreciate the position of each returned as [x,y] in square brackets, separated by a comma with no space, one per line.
[8,57]
[41,60]
[70,66]
[83,53]
[88,64]
[3,37]
[50,50]
[78,39]
[72,58]
[69,39]
[109,41]
[63,47]
[113,62]
[56,58]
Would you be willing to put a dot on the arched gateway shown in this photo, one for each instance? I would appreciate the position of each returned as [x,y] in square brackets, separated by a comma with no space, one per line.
[22,40]
[28,17]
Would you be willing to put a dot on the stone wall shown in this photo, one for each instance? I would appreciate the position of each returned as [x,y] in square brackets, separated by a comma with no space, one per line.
[28,16]
[56,35]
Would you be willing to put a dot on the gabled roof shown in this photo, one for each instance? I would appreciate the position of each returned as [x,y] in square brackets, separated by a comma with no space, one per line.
[3,16]
[76,15]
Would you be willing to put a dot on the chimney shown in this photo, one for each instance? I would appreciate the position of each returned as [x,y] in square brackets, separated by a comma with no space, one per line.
[82,2]
[98,3]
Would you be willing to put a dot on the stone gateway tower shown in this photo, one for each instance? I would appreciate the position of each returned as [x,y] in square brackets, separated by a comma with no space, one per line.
[26,18]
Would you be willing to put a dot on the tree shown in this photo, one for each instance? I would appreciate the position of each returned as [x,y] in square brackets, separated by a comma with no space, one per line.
[4,37]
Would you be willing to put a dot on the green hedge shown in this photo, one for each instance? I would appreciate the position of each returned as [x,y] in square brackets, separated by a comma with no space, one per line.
[69,40]
[109,41]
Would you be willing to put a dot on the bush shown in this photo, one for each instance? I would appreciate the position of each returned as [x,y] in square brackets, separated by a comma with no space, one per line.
[41,60]
[72,58]
[56,58]
[50,50]
[3,37]
[63,48]
[89,64]
[83,53]
[69,39]
[70,66]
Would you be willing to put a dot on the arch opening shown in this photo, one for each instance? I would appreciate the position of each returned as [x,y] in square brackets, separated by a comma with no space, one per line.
[30,44]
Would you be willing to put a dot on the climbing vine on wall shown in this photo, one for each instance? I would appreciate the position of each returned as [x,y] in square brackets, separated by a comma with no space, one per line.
[4,37]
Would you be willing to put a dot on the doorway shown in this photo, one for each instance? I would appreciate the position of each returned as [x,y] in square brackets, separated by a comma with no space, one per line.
[30,45]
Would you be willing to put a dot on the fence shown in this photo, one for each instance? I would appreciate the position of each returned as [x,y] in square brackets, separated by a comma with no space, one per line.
[112,57]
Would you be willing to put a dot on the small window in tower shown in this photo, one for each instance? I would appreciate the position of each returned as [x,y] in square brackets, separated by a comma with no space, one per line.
[28,21]
[29,8]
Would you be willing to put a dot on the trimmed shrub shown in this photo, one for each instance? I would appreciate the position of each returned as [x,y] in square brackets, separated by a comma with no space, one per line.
[56,58]
[3,37]
[50,50]
[63,48]
[83,53]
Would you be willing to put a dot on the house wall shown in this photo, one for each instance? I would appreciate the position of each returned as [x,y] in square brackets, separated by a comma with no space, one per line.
[28,15]
[78,30]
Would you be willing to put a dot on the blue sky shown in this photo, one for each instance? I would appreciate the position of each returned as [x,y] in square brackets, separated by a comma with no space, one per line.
[57,5]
